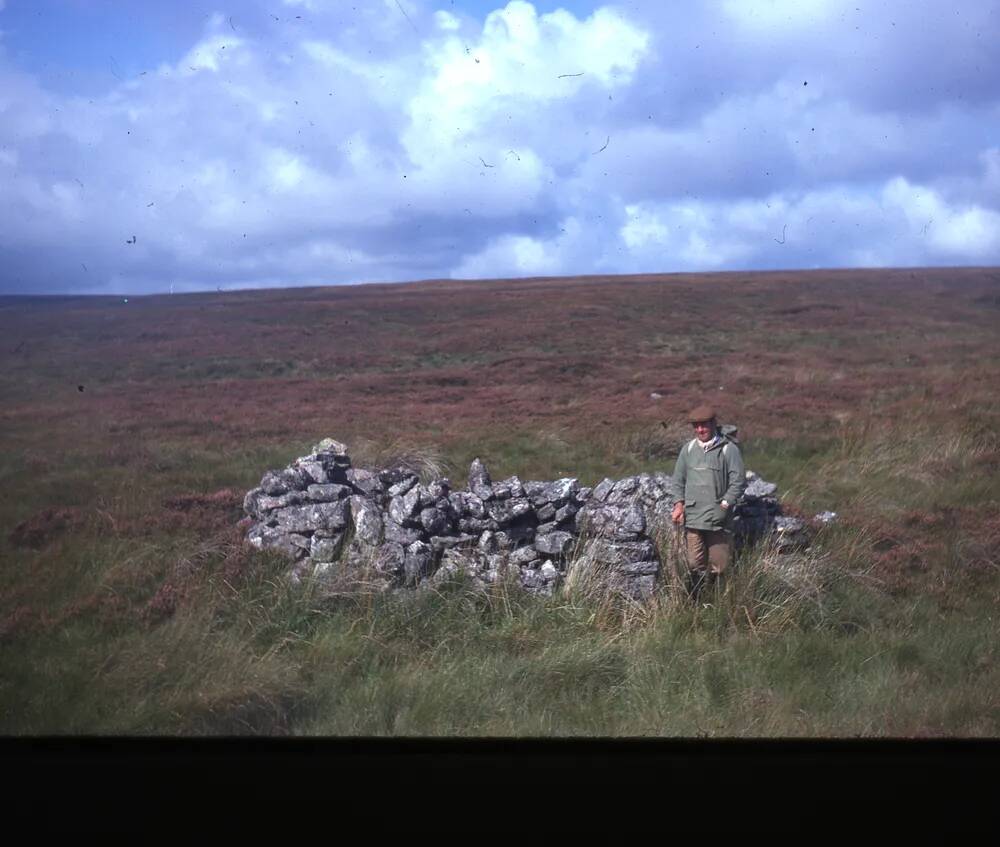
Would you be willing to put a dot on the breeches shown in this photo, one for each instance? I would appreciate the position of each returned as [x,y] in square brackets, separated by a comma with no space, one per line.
[708,550]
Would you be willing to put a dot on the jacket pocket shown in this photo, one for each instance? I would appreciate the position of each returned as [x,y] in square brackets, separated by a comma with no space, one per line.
[723,516]
[702,493]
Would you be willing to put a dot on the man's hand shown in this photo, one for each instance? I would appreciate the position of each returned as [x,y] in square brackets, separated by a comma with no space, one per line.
[678,514]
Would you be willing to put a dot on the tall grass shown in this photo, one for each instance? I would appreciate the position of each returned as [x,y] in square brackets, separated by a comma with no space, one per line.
[771,652]
[159,631]
[768,653]
[427,461]
[888,465]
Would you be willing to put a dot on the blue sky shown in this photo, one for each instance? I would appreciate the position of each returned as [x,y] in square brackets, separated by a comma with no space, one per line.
[153,146]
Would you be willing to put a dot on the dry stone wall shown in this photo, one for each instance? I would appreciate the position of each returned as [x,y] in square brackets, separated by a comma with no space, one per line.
[333,520]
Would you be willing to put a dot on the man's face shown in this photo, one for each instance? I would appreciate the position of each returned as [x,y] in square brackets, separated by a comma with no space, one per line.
[704,430]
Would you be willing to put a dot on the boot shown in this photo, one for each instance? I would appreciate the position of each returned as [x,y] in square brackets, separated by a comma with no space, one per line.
[712,587]
[696,581]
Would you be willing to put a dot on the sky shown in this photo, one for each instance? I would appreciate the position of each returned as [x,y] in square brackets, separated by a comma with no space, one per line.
[153,146]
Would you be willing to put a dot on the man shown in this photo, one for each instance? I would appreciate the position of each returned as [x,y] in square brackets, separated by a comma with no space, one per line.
[708,480]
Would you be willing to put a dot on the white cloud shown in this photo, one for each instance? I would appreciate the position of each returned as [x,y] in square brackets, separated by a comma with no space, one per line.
[962,231]
[328,55]
[896,224]
[521,62]
[210,54]
[446,21]
[900,224]
[397,142]
[643,228]
[516,255]
[689,234]
[510,255]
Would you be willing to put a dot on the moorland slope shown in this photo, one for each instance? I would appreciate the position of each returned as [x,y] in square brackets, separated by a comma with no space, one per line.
[131,431]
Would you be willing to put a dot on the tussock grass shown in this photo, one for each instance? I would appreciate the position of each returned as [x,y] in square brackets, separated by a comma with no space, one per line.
[463,661]
[424,460]
[657,444]
[459,662]
[887,466]
[189,634]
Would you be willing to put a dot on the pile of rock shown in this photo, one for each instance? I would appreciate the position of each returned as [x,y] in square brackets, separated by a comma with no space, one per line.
[332,519]
[757,511]
[759,515]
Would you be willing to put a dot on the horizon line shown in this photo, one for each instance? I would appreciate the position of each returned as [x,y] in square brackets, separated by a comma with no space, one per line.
[486,280]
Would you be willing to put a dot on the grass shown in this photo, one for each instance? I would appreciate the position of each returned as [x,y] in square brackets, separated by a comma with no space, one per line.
[135,609]
[557,668]
[246,652]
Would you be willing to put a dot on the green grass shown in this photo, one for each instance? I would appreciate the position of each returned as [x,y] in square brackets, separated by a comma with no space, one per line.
[245,652]
[138,619]
[913,464]
[248,653]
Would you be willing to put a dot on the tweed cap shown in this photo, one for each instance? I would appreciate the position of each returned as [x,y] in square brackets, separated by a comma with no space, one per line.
[700,413]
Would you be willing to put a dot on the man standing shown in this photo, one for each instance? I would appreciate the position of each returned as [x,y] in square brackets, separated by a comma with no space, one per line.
[708,480]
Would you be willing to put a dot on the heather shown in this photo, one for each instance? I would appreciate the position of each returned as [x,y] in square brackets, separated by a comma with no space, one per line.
[128,603]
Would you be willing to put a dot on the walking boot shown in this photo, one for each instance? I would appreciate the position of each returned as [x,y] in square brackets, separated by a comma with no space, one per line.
[696,584]
[712,587]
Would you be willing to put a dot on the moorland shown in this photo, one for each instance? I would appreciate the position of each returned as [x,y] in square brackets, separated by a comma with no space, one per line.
[132,428]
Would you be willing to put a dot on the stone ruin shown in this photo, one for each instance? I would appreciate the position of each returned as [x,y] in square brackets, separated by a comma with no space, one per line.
[337,522]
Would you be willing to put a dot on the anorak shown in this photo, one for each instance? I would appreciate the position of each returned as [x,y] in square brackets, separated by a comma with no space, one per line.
[704,478]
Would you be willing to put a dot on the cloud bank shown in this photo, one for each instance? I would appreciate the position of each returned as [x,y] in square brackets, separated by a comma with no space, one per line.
[313,143]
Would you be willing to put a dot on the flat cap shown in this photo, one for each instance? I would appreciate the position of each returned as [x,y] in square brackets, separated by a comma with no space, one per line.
[701,413]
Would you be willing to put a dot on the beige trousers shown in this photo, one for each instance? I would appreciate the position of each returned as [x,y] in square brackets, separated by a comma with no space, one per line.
[708,550]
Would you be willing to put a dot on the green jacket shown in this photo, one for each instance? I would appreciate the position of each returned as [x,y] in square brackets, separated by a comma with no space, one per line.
[704,479]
